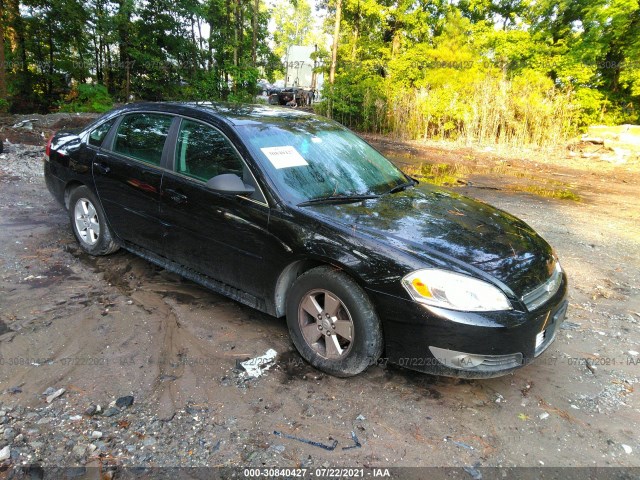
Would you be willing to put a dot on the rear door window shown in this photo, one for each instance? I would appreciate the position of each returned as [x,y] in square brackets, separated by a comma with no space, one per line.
[142,136]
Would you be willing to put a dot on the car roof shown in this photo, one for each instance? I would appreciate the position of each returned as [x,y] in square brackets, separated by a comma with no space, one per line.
[231,113]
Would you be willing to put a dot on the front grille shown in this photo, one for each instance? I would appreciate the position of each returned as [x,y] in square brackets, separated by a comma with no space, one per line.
[542,293]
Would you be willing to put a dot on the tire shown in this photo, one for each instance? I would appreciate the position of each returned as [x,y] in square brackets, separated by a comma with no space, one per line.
[89,223]
[344,335]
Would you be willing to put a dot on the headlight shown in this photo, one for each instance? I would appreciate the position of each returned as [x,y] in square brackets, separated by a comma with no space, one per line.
[442,288]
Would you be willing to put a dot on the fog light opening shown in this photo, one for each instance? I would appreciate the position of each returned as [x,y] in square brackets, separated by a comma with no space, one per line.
[467,361]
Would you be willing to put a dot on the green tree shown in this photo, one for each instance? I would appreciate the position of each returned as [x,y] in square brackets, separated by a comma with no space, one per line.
[294,25]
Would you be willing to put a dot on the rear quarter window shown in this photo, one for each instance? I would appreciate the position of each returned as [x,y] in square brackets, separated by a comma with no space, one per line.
[98,134]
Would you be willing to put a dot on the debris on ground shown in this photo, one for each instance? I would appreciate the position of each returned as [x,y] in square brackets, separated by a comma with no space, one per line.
[566,325]
[474,472]
[124,402]
[57,393]
[26,124]
[255,367]
[308,442]
[91,410]
[34,129]
[612,397]
[5,453]
[458,444]
[613,144]
[110,412]
[356,442]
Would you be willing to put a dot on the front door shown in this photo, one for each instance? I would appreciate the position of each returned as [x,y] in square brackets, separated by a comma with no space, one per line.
[220,235]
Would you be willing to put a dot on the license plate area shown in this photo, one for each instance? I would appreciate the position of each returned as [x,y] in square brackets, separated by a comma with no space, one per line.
[546,336]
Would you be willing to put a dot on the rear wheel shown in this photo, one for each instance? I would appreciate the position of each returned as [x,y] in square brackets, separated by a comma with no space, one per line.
[89,223]
[332,322]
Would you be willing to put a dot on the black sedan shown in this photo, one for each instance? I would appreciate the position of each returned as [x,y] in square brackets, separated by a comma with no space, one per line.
[296,216]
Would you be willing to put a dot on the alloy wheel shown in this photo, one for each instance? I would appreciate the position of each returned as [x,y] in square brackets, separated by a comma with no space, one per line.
[326,324]
[87,221]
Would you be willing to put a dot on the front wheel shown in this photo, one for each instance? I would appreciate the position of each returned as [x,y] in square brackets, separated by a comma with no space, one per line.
[332,322]
[89,223]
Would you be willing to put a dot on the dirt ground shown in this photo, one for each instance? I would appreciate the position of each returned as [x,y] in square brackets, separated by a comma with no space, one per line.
[118,326]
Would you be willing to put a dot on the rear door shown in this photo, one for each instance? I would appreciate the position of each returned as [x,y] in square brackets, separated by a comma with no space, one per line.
[128,173]
[220,235]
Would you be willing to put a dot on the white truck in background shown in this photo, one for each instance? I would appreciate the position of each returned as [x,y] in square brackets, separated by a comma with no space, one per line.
[302,83]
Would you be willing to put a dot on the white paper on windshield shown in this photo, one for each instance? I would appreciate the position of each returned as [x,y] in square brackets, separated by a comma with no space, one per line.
[284,157]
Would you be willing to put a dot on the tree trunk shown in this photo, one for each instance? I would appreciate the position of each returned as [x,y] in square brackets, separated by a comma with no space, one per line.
[194,57]
[211,58]
[97,53]
[3,70]
[123,22]
[51,59]
[127,84]
[334,48]
[254,33]
[108,76]
[235,33]
[239,31]
[228,40]
[203,62]
[18,28]
[354,50]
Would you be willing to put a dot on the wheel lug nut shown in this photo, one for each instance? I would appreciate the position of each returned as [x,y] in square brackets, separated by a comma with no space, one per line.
[319,316]
[319,327]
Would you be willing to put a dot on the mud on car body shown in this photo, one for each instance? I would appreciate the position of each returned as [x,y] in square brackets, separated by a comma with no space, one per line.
[298,217]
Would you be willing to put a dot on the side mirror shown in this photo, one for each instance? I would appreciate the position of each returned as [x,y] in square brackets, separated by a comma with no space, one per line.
[231,184]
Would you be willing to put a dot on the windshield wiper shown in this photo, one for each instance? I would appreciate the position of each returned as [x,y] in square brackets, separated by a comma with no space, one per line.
[336,199]
[403,186]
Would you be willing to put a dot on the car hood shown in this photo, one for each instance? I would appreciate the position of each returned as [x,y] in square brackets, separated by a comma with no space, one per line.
[438,225]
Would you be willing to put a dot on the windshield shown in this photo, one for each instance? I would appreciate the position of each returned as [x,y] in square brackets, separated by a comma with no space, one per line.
[309,159]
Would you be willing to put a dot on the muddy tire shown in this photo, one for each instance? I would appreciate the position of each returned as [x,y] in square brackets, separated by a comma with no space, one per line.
[89,223]
[332,322]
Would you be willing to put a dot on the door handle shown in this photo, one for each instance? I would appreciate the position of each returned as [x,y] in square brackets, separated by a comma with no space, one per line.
[175,196]
[101,168]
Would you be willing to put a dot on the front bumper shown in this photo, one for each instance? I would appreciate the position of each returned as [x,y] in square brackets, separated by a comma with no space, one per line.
[467,344]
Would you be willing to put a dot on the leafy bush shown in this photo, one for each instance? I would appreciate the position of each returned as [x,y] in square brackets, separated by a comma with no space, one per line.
[478,104]
[87,98]
[356,99]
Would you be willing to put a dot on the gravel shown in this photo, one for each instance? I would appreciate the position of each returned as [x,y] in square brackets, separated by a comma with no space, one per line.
[22,163]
